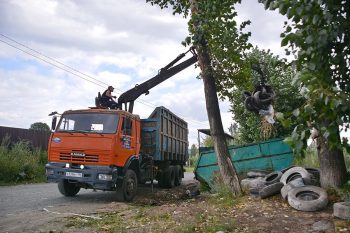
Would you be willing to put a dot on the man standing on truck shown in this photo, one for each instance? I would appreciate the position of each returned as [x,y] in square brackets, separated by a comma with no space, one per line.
[108,98]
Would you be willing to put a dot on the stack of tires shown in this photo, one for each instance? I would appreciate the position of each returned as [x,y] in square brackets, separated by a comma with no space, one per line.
[300,186]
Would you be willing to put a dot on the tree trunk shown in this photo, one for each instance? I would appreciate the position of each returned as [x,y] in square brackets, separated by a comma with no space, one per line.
[332,164]
[227,170]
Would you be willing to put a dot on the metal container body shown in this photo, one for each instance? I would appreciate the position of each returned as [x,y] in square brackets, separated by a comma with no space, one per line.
[273,155]
[164,136]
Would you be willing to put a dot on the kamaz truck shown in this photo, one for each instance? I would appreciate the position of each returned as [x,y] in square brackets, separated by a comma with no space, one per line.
[113,149]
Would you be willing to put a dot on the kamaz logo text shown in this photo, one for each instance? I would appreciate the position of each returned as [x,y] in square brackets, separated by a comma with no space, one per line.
[80,154]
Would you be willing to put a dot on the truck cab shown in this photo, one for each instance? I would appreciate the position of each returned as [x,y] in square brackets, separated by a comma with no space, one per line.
[89,148]
[109,149]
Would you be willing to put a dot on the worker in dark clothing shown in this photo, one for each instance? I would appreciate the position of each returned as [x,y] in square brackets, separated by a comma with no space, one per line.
[108,98]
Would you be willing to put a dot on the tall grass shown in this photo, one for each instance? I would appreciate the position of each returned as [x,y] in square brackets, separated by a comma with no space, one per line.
[311,159]
[19,163]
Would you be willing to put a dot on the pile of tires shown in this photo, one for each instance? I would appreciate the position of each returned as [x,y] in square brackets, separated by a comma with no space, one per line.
[298,185]
[262,97]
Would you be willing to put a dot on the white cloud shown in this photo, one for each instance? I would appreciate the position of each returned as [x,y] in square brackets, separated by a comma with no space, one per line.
[118,43]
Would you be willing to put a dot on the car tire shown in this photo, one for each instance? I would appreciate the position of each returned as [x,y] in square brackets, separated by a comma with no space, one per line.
[270,190]
[287,168]
[129,186]
[257,173]
[253,183]
[250,105]
[315,175]
[308,198]
[296,172]
[293,184]
[273,177]
[68,189]
[342,210]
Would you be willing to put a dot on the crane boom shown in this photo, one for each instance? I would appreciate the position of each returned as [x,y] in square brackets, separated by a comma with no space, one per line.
[164,73]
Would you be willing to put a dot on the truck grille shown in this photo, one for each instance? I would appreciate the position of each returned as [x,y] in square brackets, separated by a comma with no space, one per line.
[74,158]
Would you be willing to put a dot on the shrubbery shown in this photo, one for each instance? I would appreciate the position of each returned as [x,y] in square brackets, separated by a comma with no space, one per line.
[19,163]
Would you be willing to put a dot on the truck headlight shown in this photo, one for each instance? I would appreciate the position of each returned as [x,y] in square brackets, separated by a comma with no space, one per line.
[104,177]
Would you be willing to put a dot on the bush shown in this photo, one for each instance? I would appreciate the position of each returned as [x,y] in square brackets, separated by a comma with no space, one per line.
[20,164]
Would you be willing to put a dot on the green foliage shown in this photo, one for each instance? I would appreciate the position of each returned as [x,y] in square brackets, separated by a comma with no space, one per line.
[193,151]
[318,36]
[308,159]
[280,76]
[40,126]
[20,164]
[207,141]
[214,25]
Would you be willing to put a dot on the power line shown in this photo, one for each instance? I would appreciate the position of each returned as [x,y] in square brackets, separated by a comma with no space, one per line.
[72,70]
[51,63]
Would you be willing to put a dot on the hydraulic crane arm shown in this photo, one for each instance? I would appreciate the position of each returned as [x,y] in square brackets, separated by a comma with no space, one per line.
[164,73]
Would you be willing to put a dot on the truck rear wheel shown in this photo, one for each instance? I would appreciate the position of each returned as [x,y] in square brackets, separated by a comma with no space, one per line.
[129,187]
[178,175]
[68,189]
[167,179]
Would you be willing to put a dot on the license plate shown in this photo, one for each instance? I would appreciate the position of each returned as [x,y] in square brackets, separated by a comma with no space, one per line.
[74,174]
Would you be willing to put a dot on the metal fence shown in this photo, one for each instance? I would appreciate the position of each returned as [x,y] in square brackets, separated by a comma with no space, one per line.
[36,138]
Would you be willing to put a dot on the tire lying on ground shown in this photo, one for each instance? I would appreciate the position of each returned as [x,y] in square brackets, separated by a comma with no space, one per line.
[308,198]
[296,172]
[253,183]
[287,168]
[270,190]
[315,179]
[273,177]
[257,173]
[342,210]
[292,184]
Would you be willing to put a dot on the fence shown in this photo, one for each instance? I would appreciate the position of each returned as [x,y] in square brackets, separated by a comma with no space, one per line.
[37,138]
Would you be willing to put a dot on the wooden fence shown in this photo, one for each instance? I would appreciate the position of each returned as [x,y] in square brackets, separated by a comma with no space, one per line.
[37,138]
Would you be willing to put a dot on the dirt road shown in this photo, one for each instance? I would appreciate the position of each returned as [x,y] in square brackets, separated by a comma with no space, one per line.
[28,208]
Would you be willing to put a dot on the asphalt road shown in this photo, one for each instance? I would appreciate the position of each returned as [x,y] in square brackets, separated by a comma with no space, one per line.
[20,198]
[27,208]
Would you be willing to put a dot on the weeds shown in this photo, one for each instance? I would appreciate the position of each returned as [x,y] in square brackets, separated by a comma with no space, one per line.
[19,163]
[311,158]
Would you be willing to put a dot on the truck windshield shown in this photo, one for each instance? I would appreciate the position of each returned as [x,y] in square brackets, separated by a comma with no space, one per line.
[88,123]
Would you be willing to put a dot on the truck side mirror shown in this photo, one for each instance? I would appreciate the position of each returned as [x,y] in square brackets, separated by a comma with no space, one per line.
[53,123]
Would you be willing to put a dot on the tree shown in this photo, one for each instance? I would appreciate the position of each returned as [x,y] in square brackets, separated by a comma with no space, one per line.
[207,141]
[193,154]
[212,29]
[280,77]
[40,126]
[318,35]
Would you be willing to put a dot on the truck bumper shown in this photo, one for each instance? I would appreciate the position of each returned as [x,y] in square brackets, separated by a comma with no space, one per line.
[91,176]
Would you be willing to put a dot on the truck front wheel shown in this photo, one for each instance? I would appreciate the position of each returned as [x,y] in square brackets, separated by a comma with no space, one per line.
[129,186]
[68,189]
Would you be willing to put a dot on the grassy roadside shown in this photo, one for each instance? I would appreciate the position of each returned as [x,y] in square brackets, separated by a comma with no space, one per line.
[208,213]
[21,164]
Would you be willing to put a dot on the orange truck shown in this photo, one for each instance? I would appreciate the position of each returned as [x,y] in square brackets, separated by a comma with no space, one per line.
[113,149]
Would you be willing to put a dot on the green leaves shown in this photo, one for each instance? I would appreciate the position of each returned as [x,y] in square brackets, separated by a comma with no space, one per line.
[318,33]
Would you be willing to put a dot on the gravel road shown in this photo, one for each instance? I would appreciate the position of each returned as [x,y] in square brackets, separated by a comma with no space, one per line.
[28,208]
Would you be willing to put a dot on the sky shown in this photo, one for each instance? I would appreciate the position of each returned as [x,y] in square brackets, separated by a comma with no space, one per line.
[55,55]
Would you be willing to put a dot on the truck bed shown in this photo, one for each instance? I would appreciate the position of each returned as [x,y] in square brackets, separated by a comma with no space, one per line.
[164,136]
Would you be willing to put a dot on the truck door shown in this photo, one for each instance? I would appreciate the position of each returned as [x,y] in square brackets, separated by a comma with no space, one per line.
[127,136]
